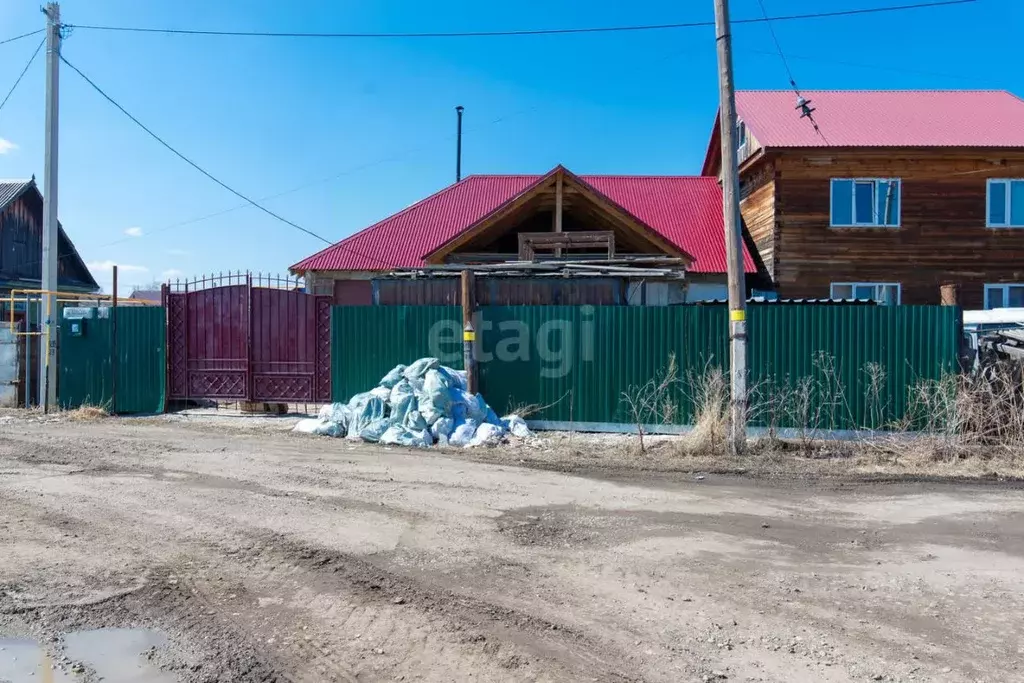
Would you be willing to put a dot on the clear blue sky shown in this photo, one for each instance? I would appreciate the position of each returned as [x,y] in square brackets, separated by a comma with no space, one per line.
[267,115]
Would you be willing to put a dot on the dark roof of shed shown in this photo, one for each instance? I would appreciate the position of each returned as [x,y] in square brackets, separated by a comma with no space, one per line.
[11,190]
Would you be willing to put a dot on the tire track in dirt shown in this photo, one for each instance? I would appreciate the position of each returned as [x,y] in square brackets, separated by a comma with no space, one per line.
[392,626]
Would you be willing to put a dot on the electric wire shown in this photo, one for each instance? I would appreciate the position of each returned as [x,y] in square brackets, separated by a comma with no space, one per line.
[522,32]
[22,74]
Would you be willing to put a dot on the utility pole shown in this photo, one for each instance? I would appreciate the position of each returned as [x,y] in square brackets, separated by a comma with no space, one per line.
[733,231]
[48,300]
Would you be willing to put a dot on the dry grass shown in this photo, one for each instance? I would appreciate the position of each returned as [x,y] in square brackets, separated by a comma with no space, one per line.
[956,426]
[86,413]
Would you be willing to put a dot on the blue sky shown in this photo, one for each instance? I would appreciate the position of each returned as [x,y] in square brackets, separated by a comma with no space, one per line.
[374,119]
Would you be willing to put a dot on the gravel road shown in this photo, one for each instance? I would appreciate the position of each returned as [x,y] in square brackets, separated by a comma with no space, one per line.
[266,556]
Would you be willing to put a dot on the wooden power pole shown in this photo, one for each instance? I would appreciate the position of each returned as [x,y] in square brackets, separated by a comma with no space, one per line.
[733,231]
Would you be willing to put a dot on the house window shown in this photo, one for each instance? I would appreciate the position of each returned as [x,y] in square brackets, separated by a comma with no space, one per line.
[868,202]
[1006,203]
[885,293]
[741,134]
[1004,296]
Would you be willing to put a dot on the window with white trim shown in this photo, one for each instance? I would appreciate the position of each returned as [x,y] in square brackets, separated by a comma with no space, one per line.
[741,134]
[1004,296]
[885,293]
[1005,203]
[865,202]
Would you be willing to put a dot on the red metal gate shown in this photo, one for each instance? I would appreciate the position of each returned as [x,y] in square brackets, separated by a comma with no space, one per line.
[232,340]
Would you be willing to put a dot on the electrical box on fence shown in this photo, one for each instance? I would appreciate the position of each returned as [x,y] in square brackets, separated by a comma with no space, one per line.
[77,328]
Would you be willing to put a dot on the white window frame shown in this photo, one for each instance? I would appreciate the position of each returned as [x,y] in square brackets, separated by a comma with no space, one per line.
[988,204]
[1004,287]
[874,203]
[854,285]
[741,134]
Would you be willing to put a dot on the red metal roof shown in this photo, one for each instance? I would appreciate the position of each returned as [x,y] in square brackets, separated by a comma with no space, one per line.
[684,210]
[881,118]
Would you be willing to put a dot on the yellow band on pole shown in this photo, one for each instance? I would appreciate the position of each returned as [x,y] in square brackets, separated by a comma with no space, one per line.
[737,316]
[469,335]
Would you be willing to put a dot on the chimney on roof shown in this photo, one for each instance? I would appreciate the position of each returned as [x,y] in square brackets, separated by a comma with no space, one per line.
[458,143]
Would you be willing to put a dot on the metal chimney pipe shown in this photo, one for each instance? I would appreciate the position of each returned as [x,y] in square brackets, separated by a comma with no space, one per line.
[458,144]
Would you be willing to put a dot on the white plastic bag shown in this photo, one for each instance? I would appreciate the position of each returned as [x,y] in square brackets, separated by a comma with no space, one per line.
[517,427]
[463,434]
[402,401]
[442,428]
[383,393]
[434,400]
[372,411]
[334,412]
[473,406]
[320,427]
[392,378]
[418,369]
[373,430]
[486,434]
[395,435]
[456,378]
[414,422]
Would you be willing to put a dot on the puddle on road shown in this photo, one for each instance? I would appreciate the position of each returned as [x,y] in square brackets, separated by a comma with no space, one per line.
[115,654]
[23,660]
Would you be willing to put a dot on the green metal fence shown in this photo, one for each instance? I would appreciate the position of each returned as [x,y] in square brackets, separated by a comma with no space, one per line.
[828,367]
[118,361]
[367,341]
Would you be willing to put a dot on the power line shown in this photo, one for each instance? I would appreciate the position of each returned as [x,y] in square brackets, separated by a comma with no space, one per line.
[778,47]
[803,104]
[23,72]
[314,183]
[523,32]
[189,161]
[23,35]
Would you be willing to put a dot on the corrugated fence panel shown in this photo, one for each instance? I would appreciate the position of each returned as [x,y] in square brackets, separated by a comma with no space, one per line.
[844,367]
[141,359]
[87,362]
[367,341]
[578,361]
[825,367]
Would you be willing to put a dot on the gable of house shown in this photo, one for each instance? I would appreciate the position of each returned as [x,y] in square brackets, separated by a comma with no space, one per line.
[674,215]
[21,229]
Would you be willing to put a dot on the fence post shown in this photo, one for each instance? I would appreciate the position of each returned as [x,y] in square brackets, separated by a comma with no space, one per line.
[468,333]
[248,338]
[113,344]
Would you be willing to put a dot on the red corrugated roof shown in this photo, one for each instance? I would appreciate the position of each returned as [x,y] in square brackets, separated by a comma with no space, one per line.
[880,118]
[684,210]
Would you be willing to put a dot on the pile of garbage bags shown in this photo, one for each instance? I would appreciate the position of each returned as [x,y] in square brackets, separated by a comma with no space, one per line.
[423,404]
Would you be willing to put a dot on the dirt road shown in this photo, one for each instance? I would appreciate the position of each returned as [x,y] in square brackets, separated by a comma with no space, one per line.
[265,556]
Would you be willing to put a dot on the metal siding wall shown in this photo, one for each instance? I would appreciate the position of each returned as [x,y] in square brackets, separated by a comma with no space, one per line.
[367,341]
[141,359]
